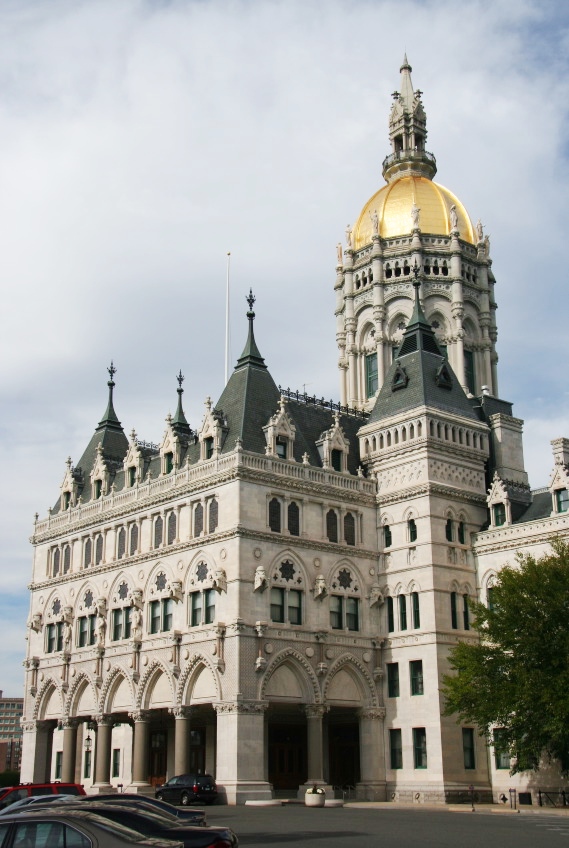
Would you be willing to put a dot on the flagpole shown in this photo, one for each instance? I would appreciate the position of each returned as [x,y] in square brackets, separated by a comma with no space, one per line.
[227,321]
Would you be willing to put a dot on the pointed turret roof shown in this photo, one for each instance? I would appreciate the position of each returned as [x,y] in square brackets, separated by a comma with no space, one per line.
[420,375]
[179,422]
[406,93]
[251,354]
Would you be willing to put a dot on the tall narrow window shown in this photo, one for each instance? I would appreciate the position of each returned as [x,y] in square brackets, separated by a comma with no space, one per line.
[198,520]
[390,615]
[168,462]
[121,619]
[469,371]
[277,604]
[499,514]
[88,553]
[116,766]
[416,677]
[133,539]
[275,515]
[449,530]
[395,749]
[490,602]
[562,500]
[468,747]
[99,549]
[209,604]
[158,531]
[293,519]
[461,533]
[501,753]
[131,475]
[58,764]
[352,614]
[453,611]
[387,538]
[54,638]
[393,680]
[332,526]
[213,515]
[420,747]
[465,613]
[86,630]
[281,446]
[66,500]
[294,606]
[336,612]
[195,609]
[349,529]
[208,447]
[66,558]
[98,489]
[416,610]
[402,612]
[121,543]
[371,374]
[161,615]
[412,529]
[87,765]
[56,562]
[171,528]
[336,459]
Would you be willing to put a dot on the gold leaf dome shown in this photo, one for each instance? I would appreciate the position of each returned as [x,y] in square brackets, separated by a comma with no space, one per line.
[394,202]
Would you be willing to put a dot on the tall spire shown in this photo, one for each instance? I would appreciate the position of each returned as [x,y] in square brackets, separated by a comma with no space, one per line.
[418,335]
[408,132]
[251,354]
[179,421]
[110,419]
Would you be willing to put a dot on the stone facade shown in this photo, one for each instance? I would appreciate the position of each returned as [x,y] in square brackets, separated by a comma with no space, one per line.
[271,597]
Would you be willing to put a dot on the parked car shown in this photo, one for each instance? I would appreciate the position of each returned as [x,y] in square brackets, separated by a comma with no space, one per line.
[11,794]
[158,825]
[187,788]
[34,801]
[188,815]
[55,827]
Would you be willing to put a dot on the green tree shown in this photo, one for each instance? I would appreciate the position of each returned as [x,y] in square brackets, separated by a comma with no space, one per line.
[517,676]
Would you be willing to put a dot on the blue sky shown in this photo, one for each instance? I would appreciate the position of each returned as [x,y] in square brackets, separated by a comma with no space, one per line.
[140,141]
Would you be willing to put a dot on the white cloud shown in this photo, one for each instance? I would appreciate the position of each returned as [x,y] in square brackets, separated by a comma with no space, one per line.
[142,140]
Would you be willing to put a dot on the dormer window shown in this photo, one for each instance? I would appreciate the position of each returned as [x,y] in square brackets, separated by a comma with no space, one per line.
[562,500]
[336,459]
[499,514]
[208,447]
[97,489]
[131,476]
[168,462]
[66,500]
[281,447]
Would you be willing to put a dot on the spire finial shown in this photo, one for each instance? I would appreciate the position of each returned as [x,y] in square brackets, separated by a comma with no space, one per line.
[250,298]
[112,371]
[179,420]
[180,378]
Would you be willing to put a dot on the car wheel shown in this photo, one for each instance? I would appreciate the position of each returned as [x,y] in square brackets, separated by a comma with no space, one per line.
[184,799]
[159,797]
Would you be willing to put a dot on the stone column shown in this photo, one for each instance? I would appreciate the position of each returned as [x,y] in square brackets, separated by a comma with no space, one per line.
[314,716]
[103,751]
[181,739]
[36,751]
[69,750]
[240,755]
[372,755]
[140,748]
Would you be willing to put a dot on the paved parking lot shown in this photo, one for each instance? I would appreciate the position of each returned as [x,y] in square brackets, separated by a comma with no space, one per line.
[389,827]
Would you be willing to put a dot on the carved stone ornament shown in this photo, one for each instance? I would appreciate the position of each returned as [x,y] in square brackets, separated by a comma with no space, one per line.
[220,580]
[375,596]
[36,622]
[241,707]
[320,590]
[260,582]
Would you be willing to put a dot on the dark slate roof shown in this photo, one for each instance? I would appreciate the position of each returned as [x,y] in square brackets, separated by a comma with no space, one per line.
[420,376]
[540,507]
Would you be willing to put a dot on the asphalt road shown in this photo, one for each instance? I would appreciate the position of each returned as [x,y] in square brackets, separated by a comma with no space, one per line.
[282,827]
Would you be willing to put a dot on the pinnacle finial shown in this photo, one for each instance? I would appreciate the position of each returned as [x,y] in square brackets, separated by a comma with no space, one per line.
[250,298]
[180,378]
[112,371]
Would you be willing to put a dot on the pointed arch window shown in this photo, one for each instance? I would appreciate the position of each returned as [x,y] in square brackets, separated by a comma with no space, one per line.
[412,530]
[275,515]
[198,520]
[158,531]
[390,614]
[66,559]
[213,515]
[171,528]
[121,543]
[332,526]
[99,549]
[133,539]
[56,562]
[349,529]
[416,610]
[88,553]
[293,519]
[402,612]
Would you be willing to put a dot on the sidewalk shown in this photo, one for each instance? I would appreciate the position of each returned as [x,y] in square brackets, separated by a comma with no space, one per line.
[460,808]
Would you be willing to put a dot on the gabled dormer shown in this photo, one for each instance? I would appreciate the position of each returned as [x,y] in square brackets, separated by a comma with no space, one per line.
[213,431]
[72,481]
[333,447]
[559,481]
[170,449]
[499,503]
[100,475]
[280,434]
[133,464]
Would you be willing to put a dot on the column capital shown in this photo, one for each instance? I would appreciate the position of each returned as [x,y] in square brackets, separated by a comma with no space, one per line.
[372,713]
[181,711]
[140,716]
[315,710]
[103,720]
[241,707]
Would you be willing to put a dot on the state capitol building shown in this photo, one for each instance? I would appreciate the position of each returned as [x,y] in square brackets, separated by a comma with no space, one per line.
[272,597]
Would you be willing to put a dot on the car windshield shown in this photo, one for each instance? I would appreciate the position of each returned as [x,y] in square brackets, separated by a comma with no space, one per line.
[144,805]
[150,816]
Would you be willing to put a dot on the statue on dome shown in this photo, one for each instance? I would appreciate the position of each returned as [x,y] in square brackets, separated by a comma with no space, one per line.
[339,257]
[487,245]
[453,218]
[349,236]
[479,231]
[374,222]
[415,213]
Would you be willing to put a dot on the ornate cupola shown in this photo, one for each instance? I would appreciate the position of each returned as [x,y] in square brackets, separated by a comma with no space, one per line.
[412,220]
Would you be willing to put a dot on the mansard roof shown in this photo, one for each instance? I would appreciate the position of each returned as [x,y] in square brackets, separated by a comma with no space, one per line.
[420,375]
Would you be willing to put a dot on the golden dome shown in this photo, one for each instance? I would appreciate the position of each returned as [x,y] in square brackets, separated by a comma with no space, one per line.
[394,202]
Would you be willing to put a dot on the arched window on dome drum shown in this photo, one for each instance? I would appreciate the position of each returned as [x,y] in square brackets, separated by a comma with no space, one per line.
[133,539]
[171,528]
[158,531]
[213,515]
[388,271]
[275,515]
[349,529]
[56,562]
[198,520]
[332,526]
[121,543]
[99,550]
[293,519]
[88,553]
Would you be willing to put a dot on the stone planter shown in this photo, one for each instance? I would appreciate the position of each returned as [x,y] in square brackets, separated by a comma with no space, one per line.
[314,799]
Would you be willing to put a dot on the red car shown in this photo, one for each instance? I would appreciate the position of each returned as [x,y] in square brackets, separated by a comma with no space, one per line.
[11,794]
